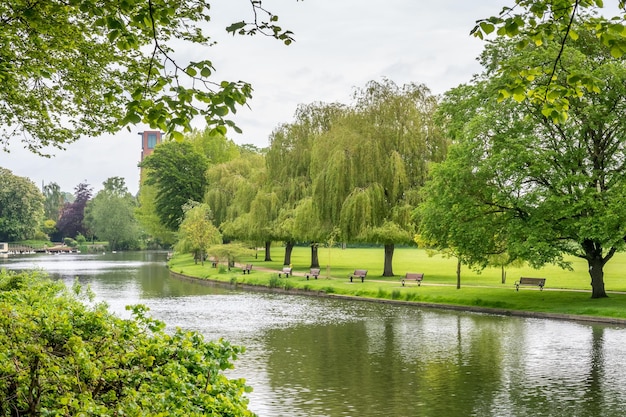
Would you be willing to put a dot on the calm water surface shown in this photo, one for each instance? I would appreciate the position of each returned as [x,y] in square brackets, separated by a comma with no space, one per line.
[320,357]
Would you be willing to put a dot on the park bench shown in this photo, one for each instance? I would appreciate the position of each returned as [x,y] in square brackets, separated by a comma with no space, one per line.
[247,269]
[413,276]
[358,273]
[314,272]
[540,282]
[287,271]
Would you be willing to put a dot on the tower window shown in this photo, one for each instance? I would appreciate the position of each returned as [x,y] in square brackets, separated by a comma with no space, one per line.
[152,140]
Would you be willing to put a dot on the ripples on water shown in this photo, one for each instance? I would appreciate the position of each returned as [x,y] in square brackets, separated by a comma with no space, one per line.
[324,357]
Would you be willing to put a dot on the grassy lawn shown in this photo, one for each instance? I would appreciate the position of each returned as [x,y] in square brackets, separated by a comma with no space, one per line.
[478,289]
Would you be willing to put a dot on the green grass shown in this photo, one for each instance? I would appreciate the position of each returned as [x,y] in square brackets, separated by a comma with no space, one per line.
[567,291]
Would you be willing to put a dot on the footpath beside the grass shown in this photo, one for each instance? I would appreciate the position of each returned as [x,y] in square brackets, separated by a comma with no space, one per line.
[331,288]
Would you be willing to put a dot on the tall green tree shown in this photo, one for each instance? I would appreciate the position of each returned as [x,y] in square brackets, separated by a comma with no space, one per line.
[197,232]
[110,215]
[232,186]
[289,172]
[86,67]
[368,168]
[178,172]
[21,207]
[545,189]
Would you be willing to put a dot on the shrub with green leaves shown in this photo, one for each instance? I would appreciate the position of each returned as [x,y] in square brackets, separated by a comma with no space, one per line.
[61,354]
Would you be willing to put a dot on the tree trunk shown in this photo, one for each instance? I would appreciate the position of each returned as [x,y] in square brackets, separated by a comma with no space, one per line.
[288,250]
[388,270]
[268,255]
[503,275]
[458,274]
[596,271]
[315,260]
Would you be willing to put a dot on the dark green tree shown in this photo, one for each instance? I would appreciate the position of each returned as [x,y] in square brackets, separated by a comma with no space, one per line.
[178,172]
[21,207]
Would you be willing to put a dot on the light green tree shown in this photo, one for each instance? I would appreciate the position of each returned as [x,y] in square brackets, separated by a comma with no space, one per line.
[54,201]
[216,148]
[231,189]
[110,215]
[197,232]
[368,168]
[149,219]
[288,165]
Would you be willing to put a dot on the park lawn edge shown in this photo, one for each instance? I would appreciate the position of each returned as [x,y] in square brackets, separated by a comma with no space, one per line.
[557,304]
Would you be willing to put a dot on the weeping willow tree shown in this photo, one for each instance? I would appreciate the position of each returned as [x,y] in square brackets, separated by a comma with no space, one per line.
[307,227]
[368,168]
[262,220]
[232,186]
[288,166]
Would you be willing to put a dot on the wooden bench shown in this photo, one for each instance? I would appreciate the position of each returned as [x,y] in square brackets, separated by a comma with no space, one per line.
[247,269]
[287,271]
[358,273]
[413,276]
[314,272]
[540,282]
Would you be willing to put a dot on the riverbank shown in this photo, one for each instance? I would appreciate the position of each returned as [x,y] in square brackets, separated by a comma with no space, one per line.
[572,304]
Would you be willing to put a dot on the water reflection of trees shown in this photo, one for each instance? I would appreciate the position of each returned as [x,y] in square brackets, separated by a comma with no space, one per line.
[427,364]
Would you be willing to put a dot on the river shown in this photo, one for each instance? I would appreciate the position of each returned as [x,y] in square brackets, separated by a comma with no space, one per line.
[309,356]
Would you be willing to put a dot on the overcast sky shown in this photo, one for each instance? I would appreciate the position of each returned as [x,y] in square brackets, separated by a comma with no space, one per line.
[340,45]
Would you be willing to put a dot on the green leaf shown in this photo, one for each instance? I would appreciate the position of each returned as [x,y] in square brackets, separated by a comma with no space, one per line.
[616,51]
[487,28]
[220,111]
[235,27]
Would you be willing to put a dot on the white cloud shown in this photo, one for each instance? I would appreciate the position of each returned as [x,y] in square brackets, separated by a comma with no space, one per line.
[339,45]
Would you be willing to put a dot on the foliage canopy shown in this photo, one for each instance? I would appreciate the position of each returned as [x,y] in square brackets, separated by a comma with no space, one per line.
[516,181]
[84,67]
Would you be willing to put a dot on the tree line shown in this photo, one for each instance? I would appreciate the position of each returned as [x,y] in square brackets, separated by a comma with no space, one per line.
[52,215]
